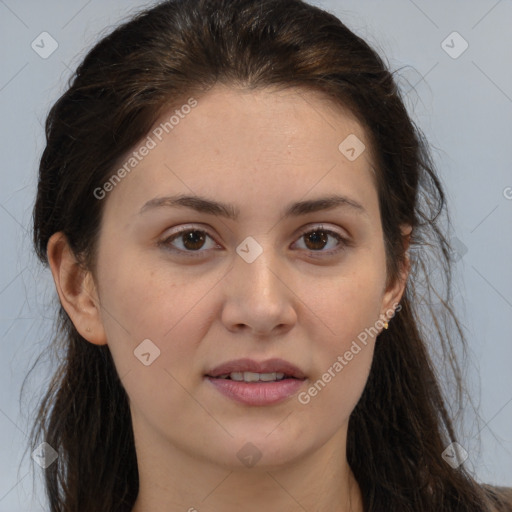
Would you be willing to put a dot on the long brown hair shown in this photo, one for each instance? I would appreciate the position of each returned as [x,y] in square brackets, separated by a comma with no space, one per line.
[400,427]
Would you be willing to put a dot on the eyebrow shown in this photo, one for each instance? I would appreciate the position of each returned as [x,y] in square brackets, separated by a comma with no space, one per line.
[230,211]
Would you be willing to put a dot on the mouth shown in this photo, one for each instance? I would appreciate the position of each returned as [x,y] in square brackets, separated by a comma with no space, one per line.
[255,377]
[249,370]
[257,383]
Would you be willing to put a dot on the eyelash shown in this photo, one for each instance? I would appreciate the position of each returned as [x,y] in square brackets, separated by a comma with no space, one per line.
[344,242]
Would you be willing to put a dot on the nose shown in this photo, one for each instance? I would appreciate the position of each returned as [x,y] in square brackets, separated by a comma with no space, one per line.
[259,296]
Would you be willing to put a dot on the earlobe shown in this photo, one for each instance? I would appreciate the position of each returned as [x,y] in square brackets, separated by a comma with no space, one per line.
[76,289]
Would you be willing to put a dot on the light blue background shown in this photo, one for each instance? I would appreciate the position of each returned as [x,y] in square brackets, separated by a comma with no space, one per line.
[463,105]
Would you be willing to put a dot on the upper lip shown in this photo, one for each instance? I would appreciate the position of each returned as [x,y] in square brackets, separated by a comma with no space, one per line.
[250,365]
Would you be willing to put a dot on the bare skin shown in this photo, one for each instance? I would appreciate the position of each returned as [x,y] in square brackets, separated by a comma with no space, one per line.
[298,300]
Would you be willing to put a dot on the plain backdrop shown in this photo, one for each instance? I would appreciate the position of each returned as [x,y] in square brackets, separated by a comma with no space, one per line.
[458,88]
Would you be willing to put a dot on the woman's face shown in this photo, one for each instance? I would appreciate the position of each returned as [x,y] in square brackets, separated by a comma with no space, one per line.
[270,280]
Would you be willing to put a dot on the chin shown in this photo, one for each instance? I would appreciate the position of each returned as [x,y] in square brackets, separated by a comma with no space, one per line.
[257,449]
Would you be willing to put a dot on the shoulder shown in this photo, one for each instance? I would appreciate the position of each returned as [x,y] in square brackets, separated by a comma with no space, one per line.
[500,496]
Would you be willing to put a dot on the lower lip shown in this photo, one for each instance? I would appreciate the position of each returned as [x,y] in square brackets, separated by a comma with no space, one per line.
[257,393]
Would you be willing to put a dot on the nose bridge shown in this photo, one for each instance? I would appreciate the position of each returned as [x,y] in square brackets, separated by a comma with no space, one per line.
[257,265]
[257,296]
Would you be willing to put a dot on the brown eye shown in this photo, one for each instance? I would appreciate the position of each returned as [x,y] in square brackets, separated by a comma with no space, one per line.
[317,239]
[193,240]
[188,241]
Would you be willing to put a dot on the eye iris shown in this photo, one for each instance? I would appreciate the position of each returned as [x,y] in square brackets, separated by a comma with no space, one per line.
[191,237]
[316,238]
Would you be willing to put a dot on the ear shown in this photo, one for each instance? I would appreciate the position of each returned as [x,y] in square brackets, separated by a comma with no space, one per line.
[76,289]
[393,294]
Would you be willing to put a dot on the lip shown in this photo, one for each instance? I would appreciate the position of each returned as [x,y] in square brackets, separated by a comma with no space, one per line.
[257,393]
[250,365]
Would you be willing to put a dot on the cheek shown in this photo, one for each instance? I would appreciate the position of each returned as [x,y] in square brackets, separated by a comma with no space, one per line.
[349,304]
[141,301]
[348,310]
[146,305]
[343,356]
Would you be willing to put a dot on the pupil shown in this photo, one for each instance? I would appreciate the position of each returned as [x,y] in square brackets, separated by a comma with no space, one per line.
[190,238]
[317,238]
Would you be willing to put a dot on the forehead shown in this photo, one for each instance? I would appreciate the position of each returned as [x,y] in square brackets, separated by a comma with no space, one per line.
[268,141]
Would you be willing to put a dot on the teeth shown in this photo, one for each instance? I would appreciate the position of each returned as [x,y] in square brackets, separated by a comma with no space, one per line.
[253,377]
